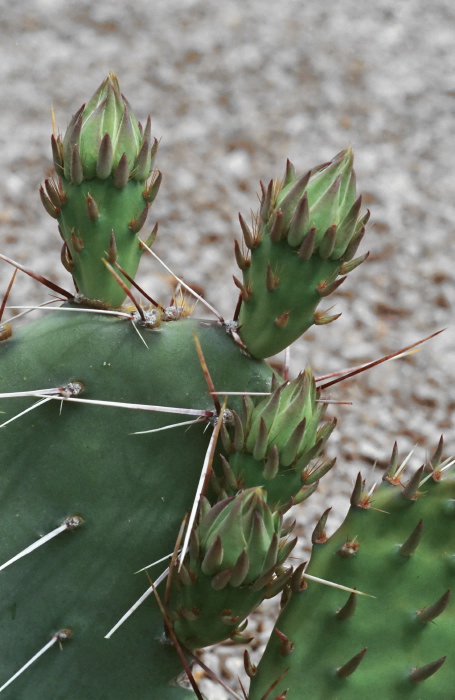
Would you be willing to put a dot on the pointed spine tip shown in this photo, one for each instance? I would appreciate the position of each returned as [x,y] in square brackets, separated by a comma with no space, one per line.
[319,535]
[286,646]
[327,243]
[272,464]
[66,259]
[277,230]
[433,611]
[356,495]
[306,250]
[57,155]
[289,175]
[151,239]
[240,259]
[321,318]
[112,252]
[325,288]
[105,158]
[47,204]
[421,673]
[266,201]
[282,320]
[245,291]
[76,242]
[410,491]
[55,194]
[76,168]
[348,267]
[271,280]
[213,557]
[153,189]
[250,667]
[136,225]
[300,222]
[389,474]
[408,547]
[348,608]
[248,237]
[93,212]
[348,668]
[261,442]
[122,173]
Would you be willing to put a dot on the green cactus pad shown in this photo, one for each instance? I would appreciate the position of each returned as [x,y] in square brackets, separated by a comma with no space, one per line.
[398,546]
[304,235]
[131,491]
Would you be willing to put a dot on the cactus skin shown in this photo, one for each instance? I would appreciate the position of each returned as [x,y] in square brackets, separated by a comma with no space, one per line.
[306,233]
[365,553]
[101,196]
[131,491]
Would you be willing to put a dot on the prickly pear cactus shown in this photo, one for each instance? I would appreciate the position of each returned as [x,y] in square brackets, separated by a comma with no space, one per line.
[397,546]
[118,454]
[93,487]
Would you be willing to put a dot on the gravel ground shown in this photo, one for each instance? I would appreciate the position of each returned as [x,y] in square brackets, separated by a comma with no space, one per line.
[233,89]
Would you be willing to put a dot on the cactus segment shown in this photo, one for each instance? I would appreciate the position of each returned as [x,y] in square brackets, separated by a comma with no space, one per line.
[407,627]
[103,165]
[236,564]
[305,234]
[130,490]
[273,444]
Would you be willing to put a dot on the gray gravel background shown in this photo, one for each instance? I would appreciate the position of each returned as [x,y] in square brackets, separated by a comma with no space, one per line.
[233,89]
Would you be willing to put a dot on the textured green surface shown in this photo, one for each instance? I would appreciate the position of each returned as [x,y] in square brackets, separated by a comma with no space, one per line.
[117,208]
[386,625]
[130,490]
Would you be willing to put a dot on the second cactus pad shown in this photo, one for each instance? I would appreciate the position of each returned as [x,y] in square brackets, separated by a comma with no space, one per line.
[304,236]
[399,547]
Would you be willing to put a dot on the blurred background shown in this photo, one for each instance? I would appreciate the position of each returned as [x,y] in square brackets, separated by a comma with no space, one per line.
[233,89]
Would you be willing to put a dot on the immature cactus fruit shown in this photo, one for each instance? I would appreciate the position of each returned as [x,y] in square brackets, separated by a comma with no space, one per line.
[234,563]
[101,196]
[305,234]
[398,546]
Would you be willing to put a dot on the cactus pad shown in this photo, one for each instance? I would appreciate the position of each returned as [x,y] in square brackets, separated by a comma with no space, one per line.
[397,546]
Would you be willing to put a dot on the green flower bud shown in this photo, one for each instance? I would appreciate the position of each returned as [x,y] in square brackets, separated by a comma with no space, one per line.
[243,523]
[235,561]
[273,443]
[102,131]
